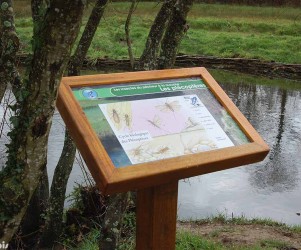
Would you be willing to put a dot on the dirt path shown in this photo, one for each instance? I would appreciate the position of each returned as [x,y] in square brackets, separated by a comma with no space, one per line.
[243,235]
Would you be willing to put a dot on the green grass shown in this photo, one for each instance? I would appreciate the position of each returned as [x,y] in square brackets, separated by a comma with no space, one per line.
[185,241]
[273,14]
[188,241]
[245,45]
[91,241]
[274,244]
[266,33]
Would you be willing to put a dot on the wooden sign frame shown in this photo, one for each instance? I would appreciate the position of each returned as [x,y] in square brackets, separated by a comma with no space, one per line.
[144,175]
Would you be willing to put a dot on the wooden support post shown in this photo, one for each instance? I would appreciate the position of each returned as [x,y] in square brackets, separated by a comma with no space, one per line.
[156,217]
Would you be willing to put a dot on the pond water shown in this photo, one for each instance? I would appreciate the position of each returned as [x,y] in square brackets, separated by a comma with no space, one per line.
[269,189]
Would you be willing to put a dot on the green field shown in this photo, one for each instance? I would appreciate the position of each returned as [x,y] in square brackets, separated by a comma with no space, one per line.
[266,33]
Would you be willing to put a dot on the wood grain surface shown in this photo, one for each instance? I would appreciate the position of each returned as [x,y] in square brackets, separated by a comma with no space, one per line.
[156,217]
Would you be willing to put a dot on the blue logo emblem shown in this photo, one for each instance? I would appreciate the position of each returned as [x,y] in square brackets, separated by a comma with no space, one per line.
[194,101]
[90,93]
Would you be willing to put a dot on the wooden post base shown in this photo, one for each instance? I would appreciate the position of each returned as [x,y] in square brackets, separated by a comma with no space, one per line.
[156,217]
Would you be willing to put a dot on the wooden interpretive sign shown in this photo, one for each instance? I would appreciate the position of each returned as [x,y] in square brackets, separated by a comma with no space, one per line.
[146,130]
[142,129]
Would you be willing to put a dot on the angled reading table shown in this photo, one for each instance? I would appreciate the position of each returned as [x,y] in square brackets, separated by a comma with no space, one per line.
[146,130]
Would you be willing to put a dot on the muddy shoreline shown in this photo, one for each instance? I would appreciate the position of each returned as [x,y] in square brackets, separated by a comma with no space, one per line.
[243,235]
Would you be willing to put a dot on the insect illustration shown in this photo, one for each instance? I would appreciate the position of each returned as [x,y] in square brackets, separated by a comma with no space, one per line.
[137,151]
[115,116]
[162,150]
[190,123]
[187,146]
[155,122]
[169,106]
[114,113]
[128,120]
[140,153]
[127,114]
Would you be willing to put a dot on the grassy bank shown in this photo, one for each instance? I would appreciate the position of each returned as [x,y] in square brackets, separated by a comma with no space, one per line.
[266,33]
[220,233]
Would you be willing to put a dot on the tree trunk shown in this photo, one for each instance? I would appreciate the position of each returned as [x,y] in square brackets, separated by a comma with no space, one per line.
[148,59]
[53,226]
[27,151]
[175,31]
[30,225]
[112,224]
[32,220]
[54,216]
[9,45]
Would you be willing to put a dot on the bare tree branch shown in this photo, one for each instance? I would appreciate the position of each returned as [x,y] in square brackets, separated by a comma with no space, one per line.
[127,32]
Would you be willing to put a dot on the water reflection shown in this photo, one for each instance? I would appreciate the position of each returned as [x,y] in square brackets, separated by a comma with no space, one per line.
[269,112]
[267,189]
[5,113]
[277,175]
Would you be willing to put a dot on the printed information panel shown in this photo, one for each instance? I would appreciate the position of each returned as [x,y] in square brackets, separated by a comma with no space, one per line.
[159,128]
[149,121]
